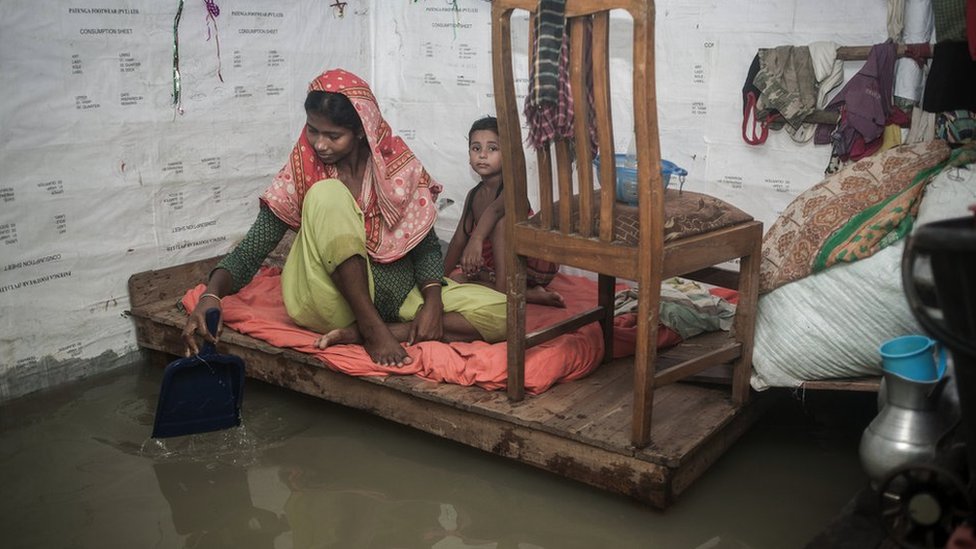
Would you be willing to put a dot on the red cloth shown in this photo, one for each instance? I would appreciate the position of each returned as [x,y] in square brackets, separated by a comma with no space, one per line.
[971,27]
[257,310]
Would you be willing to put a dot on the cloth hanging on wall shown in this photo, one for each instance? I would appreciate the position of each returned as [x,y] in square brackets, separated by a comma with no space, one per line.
[788,82]
[951,84]
[919,27]
[864,103]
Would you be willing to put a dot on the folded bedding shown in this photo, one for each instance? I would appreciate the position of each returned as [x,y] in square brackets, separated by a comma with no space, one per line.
[257,310]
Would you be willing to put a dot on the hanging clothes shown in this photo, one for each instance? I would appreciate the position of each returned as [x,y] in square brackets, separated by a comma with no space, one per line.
[784,85]
[864,103]
[919,26]
[787,83]
[951,84]
[549,102]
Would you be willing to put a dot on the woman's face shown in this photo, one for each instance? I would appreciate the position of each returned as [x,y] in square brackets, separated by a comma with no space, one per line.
[484,154]
[331,142]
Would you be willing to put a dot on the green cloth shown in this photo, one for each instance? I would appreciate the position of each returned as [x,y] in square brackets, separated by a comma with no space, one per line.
[392,281]
[950,20]
[246,258]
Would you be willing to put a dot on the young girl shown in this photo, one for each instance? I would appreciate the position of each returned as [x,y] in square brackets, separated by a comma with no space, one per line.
[475,252]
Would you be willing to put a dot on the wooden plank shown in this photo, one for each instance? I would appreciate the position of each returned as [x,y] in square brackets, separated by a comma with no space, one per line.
[705,250]
[604,418]
[696,462]
[564,178]
[578,429]
[744,325]
[868,384]
[563,326]
[588,254]
[544,159]
[170,283]
[600,56]
[562,401]
[515,324]
[578,66]
[715,276]
[605,298]
[698,364]
[615,471]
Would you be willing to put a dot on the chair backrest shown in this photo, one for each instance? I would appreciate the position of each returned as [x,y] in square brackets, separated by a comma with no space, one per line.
[588,25]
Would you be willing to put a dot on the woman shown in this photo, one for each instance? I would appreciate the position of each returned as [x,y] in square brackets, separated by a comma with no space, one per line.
[366,265]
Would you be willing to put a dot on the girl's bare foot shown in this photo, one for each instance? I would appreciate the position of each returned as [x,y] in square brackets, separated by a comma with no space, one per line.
[542,296]
[339,336]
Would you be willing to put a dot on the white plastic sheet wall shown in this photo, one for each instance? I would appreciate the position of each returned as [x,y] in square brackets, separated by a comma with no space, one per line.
[103,176]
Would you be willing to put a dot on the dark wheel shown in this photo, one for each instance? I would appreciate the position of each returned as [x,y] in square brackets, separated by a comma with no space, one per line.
[921,505]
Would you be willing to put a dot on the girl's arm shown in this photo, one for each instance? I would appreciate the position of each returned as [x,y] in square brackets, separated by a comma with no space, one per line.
[454,249]
[472,259]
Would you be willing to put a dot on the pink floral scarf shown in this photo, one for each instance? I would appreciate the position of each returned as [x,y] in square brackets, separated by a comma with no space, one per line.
[398,194]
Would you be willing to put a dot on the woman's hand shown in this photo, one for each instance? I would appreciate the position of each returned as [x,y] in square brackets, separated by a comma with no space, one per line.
[428,325]
[472,259]
[196,324]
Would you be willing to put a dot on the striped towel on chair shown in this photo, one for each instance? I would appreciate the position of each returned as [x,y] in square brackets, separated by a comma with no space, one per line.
[549,103]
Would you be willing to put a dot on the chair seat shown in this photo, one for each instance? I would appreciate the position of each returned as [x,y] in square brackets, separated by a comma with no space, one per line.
[686,214]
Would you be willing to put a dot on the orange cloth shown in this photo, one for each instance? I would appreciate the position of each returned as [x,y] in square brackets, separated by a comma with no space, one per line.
[257,310]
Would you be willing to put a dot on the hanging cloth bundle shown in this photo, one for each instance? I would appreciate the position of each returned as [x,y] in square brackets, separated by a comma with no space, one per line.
[755,125]
[549,103]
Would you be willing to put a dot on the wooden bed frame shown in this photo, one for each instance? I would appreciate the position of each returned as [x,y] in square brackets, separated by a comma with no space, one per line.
[579,429]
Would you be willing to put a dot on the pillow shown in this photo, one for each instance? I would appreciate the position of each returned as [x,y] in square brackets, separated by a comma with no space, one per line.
[797,238]
[686,214]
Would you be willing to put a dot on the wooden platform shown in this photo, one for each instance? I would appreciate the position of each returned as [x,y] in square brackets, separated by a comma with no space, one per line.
[579,430]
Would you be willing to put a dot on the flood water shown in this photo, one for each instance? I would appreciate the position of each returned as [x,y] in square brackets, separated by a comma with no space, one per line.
[78,469]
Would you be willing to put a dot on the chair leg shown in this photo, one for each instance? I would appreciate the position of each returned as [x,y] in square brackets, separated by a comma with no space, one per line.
[606,285]
[516,330]
[648,303]
[745,318]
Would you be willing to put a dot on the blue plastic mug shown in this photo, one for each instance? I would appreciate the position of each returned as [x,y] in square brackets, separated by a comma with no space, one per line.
[913,357]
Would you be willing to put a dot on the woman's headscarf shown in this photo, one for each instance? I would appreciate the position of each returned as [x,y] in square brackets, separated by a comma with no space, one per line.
[398,193]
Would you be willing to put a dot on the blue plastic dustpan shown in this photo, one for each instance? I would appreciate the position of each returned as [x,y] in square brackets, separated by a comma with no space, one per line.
[200,393]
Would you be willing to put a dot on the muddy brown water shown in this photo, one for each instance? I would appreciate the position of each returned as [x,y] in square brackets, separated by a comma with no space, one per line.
[77,469]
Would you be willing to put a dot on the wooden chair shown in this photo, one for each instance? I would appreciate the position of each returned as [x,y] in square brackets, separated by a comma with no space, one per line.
[589,230]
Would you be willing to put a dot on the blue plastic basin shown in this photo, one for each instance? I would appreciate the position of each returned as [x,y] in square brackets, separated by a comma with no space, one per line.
[627,177]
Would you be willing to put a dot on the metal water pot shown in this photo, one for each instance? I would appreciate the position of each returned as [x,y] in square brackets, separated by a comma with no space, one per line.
[909,427]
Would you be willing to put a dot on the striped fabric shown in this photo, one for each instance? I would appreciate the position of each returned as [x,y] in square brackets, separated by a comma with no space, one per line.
[549,102]
[550,34]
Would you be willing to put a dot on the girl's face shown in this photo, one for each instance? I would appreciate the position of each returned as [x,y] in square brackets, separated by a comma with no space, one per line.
[484,153]
[331,142]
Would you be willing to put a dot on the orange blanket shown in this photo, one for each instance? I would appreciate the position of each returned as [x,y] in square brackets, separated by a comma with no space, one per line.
[257,310]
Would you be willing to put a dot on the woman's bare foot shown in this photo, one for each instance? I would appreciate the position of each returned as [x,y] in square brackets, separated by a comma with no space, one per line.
[384,349]
[542,296]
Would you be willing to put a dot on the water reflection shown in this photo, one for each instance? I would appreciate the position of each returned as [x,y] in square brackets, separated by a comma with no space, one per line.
[77,469]
[210,504]
[371,492]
